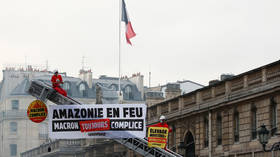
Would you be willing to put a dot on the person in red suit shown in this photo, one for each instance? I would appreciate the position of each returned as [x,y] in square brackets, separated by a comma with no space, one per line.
[56,81]
[162,123]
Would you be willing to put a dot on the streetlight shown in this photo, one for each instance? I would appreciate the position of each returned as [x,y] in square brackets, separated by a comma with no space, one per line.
[263,138]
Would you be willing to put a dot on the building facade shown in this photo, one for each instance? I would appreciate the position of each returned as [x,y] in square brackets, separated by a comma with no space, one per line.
[219,120]
[158,94]
[223,118]
[18,134]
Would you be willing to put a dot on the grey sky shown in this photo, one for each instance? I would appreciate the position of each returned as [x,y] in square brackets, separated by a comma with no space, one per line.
[180,39]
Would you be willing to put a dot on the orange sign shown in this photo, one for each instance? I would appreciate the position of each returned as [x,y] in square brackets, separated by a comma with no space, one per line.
[37,111]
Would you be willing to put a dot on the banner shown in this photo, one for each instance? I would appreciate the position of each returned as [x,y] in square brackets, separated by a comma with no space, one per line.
[157,136]
[97,121]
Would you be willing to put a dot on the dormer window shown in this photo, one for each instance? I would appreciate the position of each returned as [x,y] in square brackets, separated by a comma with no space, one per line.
[128,91]
[114,87]
[66,86]
[82,89]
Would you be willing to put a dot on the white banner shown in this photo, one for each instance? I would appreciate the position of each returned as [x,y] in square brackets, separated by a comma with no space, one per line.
[97,121]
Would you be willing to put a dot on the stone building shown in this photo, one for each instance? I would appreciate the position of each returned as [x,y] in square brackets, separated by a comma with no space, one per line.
[219,120]
[18,134]
[222,119]
[157,94]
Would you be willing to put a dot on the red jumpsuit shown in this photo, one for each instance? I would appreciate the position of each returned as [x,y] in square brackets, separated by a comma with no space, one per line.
[164,124]
[56,80]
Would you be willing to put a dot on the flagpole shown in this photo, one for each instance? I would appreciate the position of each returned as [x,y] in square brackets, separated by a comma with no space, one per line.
[120,16]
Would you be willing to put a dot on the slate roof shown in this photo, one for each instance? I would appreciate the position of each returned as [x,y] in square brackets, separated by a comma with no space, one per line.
[107,83]
[21,88]
[1,85]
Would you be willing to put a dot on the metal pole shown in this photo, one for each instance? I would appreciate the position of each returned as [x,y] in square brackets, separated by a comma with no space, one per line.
[210,134]
[120,16]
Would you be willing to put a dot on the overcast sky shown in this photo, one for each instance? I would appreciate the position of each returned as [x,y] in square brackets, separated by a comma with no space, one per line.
[176,39]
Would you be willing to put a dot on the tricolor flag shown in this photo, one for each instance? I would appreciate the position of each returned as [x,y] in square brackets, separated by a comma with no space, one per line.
[129,30]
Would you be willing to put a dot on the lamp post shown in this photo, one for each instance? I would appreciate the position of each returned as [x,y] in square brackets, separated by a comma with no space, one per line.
[263,138]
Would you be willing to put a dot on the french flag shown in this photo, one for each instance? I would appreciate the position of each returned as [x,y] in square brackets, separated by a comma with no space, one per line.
[129,30]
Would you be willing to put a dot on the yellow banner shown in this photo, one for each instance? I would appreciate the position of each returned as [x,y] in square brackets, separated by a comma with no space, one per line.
[157,136]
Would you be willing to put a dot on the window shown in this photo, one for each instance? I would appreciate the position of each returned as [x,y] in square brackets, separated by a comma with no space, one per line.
[13,127]
[114,87]
[128,91]
[15,104]
[173,135]
[206,131]
[66,86]
[219,129]
[273,118]
[43,131]
[254,121]
[13,149]
[82,89]
[236,126]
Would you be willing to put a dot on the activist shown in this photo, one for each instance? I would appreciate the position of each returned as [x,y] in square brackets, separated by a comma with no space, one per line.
[162,123]
[56,81]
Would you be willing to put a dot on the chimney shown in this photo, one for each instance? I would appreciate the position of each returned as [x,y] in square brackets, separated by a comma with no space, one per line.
[153,97]
[138,80]
[172,90]
[226,76]
[86,75]
[212,82]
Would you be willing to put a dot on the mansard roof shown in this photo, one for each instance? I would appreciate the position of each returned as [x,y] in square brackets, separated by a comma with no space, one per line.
[109,93]
[21,88]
